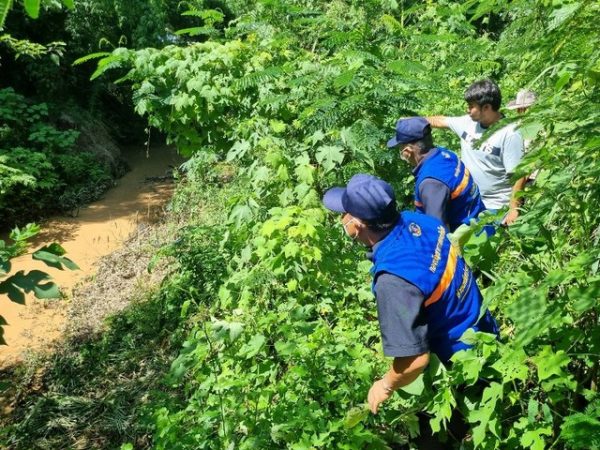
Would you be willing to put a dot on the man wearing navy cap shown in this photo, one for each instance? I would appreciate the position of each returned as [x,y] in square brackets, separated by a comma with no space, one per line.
[426,295]
[444,187]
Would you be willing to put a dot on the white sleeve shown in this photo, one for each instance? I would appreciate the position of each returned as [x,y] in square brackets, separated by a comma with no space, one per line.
[512,152]
[458,124]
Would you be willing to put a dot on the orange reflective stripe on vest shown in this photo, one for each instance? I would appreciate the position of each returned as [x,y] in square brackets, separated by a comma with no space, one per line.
[446,279]
[461,187]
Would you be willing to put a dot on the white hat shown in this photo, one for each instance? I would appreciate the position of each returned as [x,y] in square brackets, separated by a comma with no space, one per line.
[524,99]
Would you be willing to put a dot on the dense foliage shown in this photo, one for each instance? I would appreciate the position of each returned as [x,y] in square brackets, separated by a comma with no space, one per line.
[41,169]
[293,97]
[299,96]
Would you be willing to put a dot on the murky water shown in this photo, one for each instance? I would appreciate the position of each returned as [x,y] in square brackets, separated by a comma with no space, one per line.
[99,229]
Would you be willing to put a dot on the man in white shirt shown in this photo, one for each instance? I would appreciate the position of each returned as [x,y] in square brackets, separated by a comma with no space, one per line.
[489,150]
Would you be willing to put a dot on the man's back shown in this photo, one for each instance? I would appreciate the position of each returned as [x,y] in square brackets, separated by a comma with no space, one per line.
[463,202]
[418,251]
[493,162]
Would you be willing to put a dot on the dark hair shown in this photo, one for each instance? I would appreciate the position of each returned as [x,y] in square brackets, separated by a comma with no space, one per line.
[484,92]
[386,222]
[426,143]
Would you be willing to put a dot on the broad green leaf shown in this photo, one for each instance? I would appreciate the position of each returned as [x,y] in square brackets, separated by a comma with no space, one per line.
[531,130]
[344,79]
[563,14]
[534,439]
[50,255]
[329,156]
[69,3]
[305,173]
[235,329]
[356,415]
[549,363]
[416,387]
[34,281]
[5,267]
[32,7]
[512,365]
[252,347]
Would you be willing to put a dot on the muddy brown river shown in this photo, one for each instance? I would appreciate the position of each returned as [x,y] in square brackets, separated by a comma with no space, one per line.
[99,229]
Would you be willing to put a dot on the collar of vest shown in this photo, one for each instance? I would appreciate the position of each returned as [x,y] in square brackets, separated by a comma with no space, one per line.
[390,237]
[430,154]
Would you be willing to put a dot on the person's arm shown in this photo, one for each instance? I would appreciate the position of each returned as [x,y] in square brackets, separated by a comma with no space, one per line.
[515,202]
[511,156]
[437,121]
[434,196]
[403,332]
[403,371]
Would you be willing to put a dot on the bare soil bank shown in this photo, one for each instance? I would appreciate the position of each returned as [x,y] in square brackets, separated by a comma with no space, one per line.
[100,229]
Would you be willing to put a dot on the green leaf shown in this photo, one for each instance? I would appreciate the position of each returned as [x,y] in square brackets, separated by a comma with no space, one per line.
[32,7]
[253,346]
[485,414]
[5,6]
[69,3]
[416,387]
[90,57]
[344,79]
[406,67]
[531,130]
[534,439]
[512,365]
[34,281]
[329,156]
[582,430]
[356,415]
[563,14]
[12,291]
[549,363]
[50,255]
[104,65]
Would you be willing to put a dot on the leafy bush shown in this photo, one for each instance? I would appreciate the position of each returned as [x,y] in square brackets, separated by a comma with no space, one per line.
[41,163]
[295,97]
[299,97]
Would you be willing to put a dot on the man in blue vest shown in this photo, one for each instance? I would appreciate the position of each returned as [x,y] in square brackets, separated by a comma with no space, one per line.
[444,187]
[426,295]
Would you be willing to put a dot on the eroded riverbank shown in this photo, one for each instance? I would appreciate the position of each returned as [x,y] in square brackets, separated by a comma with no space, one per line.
[98,230]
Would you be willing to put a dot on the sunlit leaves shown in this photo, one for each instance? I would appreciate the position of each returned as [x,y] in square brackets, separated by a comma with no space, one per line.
[32,7]
[329,156]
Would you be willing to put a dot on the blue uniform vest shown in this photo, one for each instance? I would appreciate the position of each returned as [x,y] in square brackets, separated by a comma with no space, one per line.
[418,251]
[445,166]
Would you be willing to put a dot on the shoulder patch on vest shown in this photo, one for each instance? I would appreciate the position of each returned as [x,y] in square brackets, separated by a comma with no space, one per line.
[414,229]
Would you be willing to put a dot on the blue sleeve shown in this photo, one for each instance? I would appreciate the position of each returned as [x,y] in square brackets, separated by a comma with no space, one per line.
[399,310]
[434,196]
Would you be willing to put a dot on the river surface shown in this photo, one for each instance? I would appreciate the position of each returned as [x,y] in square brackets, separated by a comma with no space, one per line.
[99,229]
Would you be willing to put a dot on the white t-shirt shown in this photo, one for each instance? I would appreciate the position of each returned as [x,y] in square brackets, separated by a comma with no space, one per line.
[493,163]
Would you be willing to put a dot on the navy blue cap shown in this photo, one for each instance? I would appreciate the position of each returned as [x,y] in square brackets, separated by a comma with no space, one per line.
[365,197]
[409,130]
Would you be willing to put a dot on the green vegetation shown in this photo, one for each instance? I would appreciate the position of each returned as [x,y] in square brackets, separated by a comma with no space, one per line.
[279,339]
[15,285]
[39,162]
